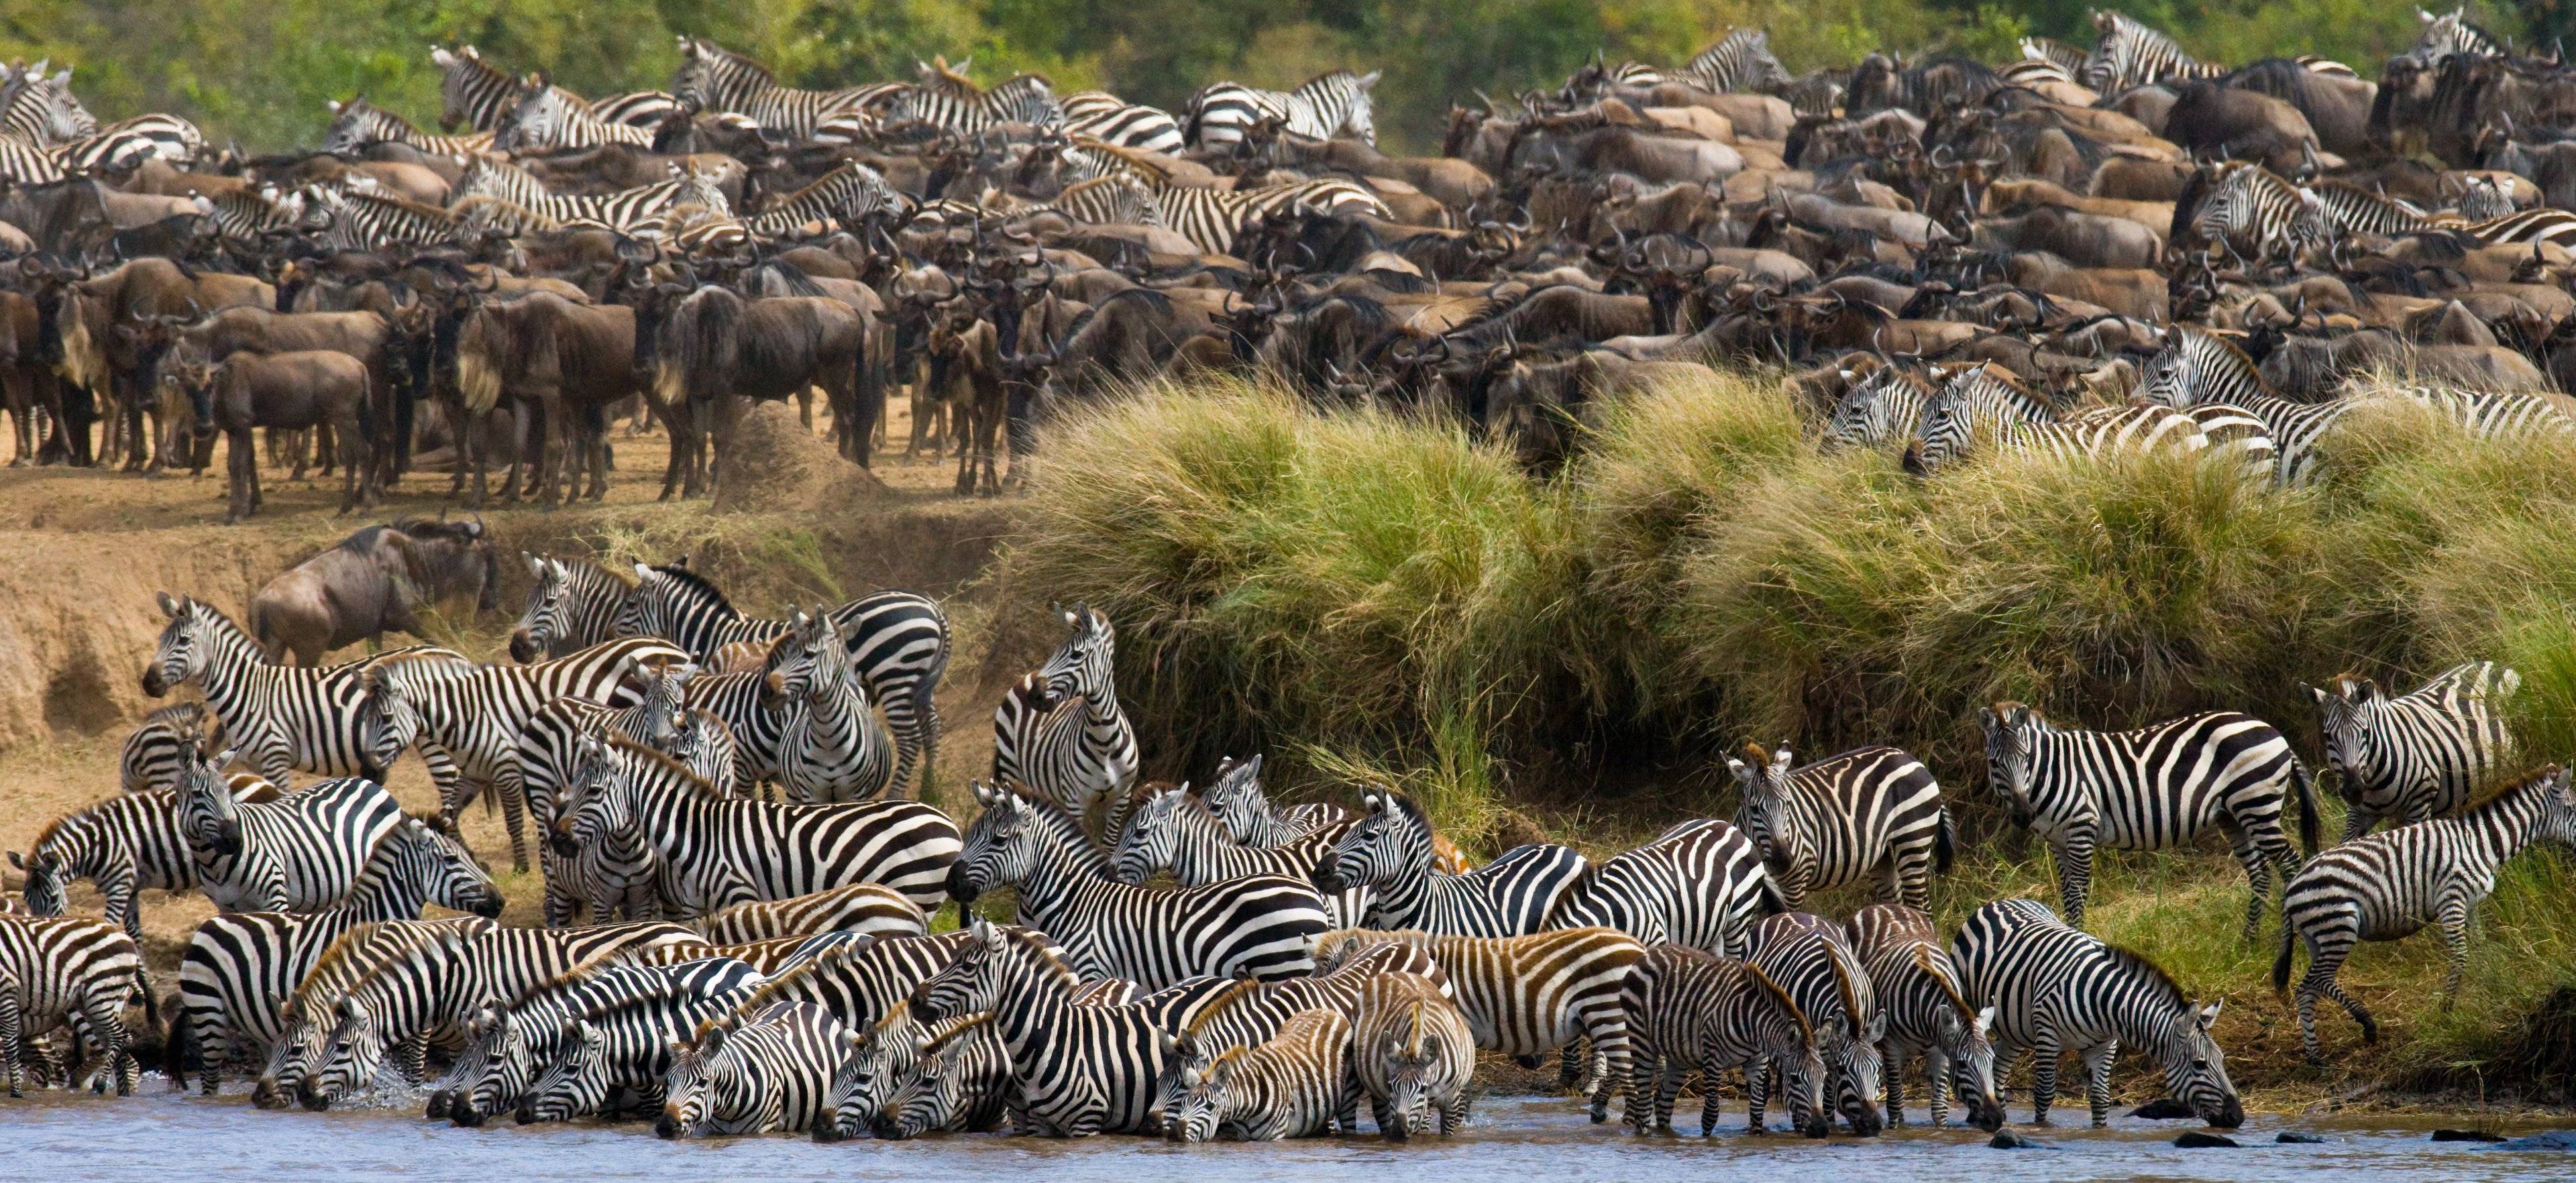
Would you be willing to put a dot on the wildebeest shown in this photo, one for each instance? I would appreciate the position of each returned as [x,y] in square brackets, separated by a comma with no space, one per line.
[716,349]
[560,364]
[371,583]
[307,388]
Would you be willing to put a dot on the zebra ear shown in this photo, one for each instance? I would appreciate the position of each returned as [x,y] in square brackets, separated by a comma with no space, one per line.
[16,861]
[2315,693]
[1877,1026]
[352,1011]
[169,606]
[333,104]
[643,571]
[1780,763]
[1370,79]
[1743,772]
[2209,1014]
[1985,1021]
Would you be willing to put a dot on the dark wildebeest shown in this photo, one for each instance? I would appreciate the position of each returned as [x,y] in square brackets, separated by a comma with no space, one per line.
[2211,119]
[374,582]
[560,365]
[108,363]
[717,349]
[969,350]
[296,390]
[162,342]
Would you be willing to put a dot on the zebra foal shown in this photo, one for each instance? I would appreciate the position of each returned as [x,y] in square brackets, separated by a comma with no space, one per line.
[1690,1010]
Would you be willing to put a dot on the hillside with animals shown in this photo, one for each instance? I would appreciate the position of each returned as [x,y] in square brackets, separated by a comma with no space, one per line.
[1934,577]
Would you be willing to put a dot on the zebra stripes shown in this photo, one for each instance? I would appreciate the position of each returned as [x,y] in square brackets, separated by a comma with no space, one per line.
[550,118]
[1840,818]
[899,639]
[1694,1011]
[1099,115]
[298,853]
[961,1081]
[769,1075]
[2150,789]
[1413,1053]
[357,123]
[1879,410]
[2452,33]
[346,220]
[572,605]
[306,1020]
[1323,107]
[124,844]
[1927,1016]
[1235,799]
[1741,60]
[1390,851]
[1700,884]
[2419,755]
[623,211]
[159,748]
[834,749]
[1808,959]
[473,93]
[2056,989]
[2198,369]
[2256,215]
[2386,886]
[1983,399]
[1257,926]
[2132,54]
[1173,831]
[720,81]
[949,100]
[877,1063]
[513,1043]
[870,909]
[42,109]
[627,1046]
[1212,219]
[240,969]
[1061,731]
[843,197]
[65,971]
[612,877]
[1292,1086]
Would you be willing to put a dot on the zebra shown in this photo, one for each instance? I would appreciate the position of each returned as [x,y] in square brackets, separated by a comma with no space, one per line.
[1174,832]
[2066,57]
[242,216]
[126,843]
[512,1043]
[1927,1015]
[2493,414]
[1525,996]
[1099,115]
[1879,410]
[843,197]
[2057,989]
[719,81]
[834,749]
[613,876]
[874,1065]
[961,1082]
[948,100]
[1741,60]
[2150,789]
[474,714]
[572,605]
[27,164]
[1413,1053]
[872,909]
[158,748]
[240,968]
[1212,219]
[1692,1010]
[1321,108]
[2252,212]
[901,641]
[1257,926]
[624,210]
[305,1019]
[2448,34]
[348,220]
[1982,397]
[1081,1069]
[129,142]
[860,981]
[1840,818]
[298,853]
[2198,369]
[636,108]
[2131,54]
[60,970]
[549,118]
[1235,799]
[717,852]
[1061,731]
[2419,755]
[472,93]
[1700,884]
[280,719]
[1294,1085]
[769,1075]
[432,988]
[1389,851]
[42,110]
[2386,886]
[1808,958]
[627,1048]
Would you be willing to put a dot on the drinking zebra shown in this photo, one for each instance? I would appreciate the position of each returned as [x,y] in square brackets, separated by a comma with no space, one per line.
[1525,996]
[769,1075]
[66,971]
[1082,1070]
[124,844]
[1808,958]
[2418,755]
[962,1081]
[1099,115]
[1257,926]
[1173,831]
[1061,731]
[2150,789]
[511,1044]
[1389,852]
[474,713]
[1927,1015]
[899,639]
[1693,1011]
[626,1048]
[158,749]
[716,852]
[1700,884]
[1414,1054]
[2385,886]
[2057,989]
[297,853]
[1323,107]
[718,81]
[1295,1085]
[304,1022]
[875,1063]
[1840,818]
[241,968]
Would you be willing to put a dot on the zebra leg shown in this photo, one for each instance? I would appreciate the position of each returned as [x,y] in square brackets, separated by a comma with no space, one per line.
[1711,1106]
[118,894]
[1757,1093]
[514,812]
[2258,873]
[2453,915]
[107,1029]
[1570,1063]
[2097,1080]
[2326,954]
[2043,1077]
[1894,1058]
[1389,1122]
[1936,1081]
[13,1035]
[2075,874]
[1453,1114]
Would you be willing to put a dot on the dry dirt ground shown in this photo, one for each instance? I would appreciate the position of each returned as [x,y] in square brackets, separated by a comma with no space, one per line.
[83,551]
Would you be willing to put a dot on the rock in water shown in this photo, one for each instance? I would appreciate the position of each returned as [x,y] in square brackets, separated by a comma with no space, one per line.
[2196,1140]
[2466,1136]
[2552,1140]
[2008,1140]
[2295,1138]
[2163,1109]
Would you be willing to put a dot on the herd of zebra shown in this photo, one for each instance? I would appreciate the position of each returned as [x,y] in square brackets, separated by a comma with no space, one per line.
[2080,251]
[737,930]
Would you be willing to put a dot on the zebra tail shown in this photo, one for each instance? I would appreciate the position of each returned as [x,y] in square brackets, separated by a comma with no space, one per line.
[259,632]
[1945,843]
[2289,946]
[1773,903]
[2306,784]
[151,1005]
[178,1046]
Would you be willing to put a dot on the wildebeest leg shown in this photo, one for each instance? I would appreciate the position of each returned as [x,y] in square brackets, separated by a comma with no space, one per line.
[138,451]
[326,446]
[356,473]
[556,460]
[595,422]
[805,407]
[241,469]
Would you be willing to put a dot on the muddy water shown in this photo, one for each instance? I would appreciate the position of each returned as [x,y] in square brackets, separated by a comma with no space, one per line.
[56,1137]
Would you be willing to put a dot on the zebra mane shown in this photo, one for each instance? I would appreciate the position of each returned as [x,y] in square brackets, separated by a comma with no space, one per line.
[1226,999]
[1843,989]
[1134,160]
[727,57]
[2137,965]
[568,980]
[1949,989]
[663,762]
[680,573]
[45,837]
[213,617]
[1780,998]
[1044,950]
[939,75]
[947,1031]
[411,939]
[1342,945]
[2529,781]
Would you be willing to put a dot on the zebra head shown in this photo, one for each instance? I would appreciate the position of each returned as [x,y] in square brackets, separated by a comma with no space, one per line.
[1194,1085]
[507,1075]
[353,1054]
[1084,663]
[685,1085]
[1961,1031]
[1865,418]
[1790,1041]
[1002,845]
[537,121]
[698,82]
[1762,816]
[46,876]
[929,1098]
[575,1084]
[599,813]
[209,818]
[1152,837]
[652,609]
[1941,435]
[1849,1046]
[186,642]
[2167,379]
[1411,1052]
[64,119]
[388,720]
[818,665]
[351,127]
[2011,728]
[665,704]
[1235,798]
[970,982]
[547,617]
[864,1075]
[427,854]
[290,1057]
[1359,116]
[486,1030]
[2345,721]
[1378,849]
[2195,1067]
[2558,809]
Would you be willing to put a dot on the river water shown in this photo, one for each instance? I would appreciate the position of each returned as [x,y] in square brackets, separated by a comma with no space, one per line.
[55,1136]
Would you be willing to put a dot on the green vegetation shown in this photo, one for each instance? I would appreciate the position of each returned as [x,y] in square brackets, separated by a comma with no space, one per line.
[259,72]
[1386,601]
